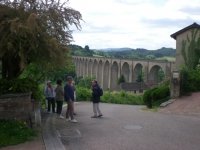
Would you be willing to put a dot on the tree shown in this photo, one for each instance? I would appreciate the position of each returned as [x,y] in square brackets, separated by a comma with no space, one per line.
[121,79]
[191,50]
[140,77]
[87,48]
[34,31]
[161,75]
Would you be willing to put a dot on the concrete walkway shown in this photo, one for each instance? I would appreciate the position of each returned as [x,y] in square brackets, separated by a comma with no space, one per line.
[123,127]
[50,135]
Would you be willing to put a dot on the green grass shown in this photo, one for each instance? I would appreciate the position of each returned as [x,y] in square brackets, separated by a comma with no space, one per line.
[122,98]
[97,55]
[171,59]
[13,132]
[154,109]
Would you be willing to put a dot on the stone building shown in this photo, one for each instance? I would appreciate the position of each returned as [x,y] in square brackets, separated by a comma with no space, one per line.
[180,36]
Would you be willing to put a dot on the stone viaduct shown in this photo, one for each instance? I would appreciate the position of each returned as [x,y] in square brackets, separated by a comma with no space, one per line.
[108,70]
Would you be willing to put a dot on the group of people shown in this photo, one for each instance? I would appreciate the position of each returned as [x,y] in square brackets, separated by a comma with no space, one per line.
[56,97]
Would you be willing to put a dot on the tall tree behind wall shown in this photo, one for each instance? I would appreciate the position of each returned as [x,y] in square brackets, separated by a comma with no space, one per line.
[34,31]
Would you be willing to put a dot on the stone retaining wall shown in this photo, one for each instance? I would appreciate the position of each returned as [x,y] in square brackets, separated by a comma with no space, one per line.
[18,106]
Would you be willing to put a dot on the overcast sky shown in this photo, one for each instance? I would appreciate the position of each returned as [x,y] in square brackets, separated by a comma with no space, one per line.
[133,23]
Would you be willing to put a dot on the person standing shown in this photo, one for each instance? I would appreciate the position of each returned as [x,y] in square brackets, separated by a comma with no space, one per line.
[49,94]
[96,93]
[74,88]
[69,98]
[59,98]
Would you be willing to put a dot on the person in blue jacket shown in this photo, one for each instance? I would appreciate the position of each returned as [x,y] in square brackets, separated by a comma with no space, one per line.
[69,98]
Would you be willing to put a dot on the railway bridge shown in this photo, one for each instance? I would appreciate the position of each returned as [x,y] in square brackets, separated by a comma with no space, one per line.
[107,71]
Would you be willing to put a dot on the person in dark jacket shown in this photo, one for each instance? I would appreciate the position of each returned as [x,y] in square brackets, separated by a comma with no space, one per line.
[96,99]
[69,98]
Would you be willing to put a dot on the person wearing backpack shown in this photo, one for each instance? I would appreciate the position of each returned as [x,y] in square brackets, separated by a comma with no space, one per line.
[96,93]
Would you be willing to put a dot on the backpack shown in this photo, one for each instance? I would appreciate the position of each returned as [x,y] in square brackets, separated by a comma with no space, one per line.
[100,92]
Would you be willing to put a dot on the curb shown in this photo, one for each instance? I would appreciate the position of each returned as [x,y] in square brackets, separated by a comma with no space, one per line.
[50,136]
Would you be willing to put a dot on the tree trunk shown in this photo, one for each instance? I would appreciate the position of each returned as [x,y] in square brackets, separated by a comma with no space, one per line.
[10,66]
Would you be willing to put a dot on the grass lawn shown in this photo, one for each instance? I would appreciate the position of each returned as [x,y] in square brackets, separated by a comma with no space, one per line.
[13,132]
[171,59]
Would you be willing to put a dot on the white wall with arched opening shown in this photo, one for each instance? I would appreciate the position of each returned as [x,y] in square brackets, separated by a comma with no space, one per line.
[78,67]
[114,76]
[106,75]
[94,69]
[82,68]
[90,68]
[156,75]
[137,73]
[126,71]
[100,72]
[85,68]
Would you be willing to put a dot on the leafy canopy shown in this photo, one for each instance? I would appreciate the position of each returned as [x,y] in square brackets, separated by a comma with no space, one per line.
[35,31]
[191,49]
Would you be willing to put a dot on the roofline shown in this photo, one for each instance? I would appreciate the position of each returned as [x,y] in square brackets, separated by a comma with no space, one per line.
[192,26]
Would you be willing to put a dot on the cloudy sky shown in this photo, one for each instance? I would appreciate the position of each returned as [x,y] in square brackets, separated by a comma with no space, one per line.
[133,23]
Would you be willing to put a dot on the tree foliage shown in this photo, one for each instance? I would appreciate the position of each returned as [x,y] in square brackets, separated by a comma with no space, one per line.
[121,79]
[191,49]
[140,77]
[162,53]
[80,51]
[34,31]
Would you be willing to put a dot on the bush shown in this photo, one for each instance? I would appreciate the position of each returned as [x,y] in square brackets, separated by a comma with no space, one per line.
[190,80]
[83,94]
[84,82]
[122,98]
[121,79]
[157,95]
[14,132]
[20,86]
[147,98]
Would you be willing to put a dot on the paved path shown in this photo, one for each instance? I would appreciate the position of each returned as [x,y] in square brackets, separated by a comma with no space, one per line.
[123,127]
[128,128]
[186,105]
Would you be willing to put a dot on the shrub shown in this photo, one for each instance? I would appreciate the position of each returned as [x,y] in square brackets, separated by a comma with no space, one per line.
[14,132]
[147,98]
[20,86]
[122,97]
[190,80]
[121,79]
[83,94]
[157,95]
[84,82]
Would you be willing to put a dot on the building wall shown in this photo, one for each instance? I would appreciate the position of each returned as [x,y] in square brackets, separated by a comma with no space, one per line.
[180,62]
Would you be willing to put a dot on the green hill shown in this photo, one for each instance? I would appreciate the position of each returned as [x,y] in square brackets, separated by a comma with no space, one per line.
[126,53]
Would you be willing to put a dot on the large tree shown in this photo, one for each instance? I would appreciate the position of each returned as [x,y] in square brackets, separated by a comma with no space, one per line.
[34,31]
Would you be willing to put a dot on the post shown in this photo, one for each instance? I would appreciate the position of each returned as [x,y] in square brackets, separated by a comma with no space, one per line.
[175,84]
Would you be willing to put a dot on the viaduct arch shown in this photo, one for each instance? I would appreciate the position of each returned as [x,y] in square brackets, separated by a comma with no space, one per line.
[108,70]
